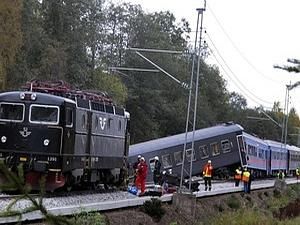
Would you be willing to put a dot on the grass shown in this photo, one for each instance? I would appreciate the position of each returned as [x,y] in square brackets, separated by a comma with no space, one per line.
[233,202]
[250,217]
[86,218]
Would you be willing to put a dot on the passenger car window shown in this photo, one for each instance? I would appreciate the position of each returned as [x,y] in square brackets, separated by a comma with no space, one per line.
[166,161]
[215,149]
[178,156]
[44,114]
[203,151]
[11,112]
[189,155]
[225,145]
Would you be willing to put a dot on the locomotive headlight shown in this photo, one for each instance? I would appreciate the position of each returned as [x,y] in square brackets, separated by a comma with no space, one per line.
[33,96]
[46,142]
[3,139]
[22,96]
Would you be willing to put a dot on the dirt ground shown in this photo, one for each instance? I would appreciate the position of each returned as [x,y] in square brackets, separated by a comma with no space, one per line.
[206,208]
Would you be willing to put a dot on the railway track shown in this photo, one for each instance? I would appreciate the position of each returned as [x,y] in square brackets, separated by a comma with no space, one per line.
[76,203]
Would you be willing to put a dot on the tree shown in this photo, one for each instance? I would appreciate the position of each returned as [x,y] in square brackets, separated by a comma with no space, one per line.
[10,36]
[110,84]
[295,67]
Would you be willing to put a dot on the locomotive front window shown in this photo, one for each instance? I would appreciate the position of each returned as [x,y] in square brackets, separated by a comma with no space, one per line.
[44,114]
[11,112]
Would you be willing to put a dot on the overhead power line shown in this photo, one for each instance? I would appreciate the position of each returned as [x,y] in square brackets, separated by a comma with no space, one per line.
[239,51]
[235,76]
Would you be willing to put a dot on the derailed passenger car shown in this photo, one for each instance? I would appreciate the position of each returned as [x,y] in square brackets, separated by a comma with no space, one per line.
[220,143]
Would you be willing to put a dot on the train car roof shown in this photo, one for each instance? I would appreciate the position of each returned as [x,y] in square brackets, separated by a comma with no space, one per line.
[293,148]
[179,139]
[257,139]
[41,98]
[276,144]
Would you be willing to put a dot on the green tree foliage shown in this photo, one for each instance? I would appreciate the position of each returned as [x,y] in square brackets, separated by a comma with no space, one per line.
[111,84]
[10,35]
[78,41]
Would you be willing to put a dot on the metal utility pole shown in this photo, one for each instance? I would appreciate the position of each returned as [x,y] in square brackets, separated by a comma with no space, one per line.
[286,111]
[193,99]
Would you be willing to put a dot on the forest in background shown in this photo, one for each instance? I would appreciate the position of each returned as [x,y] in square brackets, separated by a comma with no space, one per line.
[77,41]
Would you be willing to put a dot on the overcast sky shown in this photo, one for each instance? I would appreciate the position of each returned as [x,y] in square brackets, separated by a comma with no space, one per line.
[247,37]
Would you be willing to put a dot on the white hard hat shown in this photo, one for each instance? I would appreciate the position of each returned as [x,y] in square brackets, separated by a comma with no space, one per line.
[139,156]
[156,158]
[142,158]
[209,161]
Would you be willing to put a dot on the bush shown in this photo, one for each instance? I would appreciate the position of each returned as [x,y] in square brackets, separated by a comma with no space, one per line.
[276,193]
[233,202]
[154,208]
[219,207]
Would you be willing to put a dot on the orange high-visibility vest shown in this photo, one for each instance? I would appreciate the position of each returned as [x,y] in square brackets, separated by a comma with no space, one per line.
[246,176]
[238,174]
[207,170]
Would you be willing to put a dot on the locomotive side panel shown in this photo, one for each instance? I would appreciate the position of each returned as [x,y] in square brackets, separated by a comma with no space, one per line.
[107,140]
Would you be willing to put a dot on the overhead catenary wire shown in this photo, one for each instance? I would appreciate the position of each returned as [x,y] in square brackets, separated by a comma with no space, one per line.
[235,76]
[238,50]
[237,85]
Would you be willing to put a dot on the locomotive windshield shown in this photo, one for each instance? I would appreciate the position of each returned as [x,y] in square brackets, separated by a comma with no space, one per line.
[44,114]
[11,112]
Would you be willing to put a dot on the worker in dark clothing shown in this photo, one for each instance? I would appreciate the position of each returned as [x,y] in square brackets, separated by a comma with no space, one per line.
[135,167]
[156,171]
[281,175]
[250,181]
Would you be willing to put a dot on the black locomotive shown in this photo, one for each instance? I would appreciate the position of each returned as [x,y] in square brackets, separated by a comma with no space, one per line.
[72,137]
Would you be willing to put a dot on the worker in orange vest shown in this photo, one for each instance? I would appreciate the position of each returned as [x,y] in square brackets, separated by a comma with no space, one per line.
[207,175]
[246,179]
[238,176]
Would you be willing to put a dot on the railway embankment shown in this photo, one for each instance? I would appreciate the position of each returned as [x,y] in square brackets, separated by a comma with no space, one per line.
[279,205]
[266,204]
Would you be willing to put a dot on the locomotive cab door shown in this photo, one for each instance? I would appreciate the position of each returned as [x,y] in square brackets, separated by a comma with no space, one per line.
[69,135]
[242,150]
